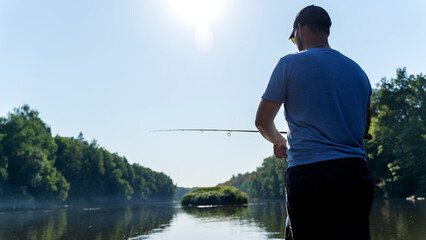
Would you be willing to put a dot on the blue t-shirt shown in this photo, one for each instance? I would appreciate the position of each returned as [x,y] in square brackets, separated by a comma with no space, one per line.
[325,96]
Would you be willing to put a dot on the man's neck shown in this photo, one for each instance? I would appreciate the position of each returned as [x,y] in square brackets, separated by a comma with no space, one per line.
[316,44]
[320,46]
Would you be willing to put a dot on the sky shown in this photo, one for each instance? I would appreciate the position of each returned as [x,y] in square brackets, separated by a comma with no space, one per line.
[115,70]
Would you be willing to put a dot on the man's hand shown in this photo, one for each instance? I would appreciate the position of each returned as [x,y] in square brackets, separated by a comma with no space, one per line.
[280,149]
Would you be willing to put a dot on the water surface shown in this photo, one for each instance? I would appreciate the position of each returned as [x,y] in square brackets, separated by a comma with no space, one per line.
[390,220]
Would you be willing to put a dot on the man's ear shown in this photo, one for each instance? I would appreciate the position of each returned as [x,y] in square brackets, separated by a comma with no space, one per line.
[301,29]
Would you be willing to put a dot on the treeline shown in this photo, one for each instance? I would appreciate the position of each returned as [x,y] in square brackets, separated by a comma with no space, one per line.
[267,182]
[34,165]
[396,155]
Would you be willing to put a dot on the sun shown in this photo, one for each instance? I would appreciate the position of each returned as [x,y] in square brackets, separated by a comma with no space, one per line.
[198,10]
[200,13]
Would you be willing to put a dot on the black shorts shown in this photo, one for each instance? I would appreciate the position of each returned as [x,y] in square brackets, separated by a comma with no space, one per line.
[329,200]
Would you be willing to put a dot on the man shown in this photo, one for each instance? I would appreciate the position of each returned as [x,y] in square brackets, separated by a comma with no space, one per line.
[326,97]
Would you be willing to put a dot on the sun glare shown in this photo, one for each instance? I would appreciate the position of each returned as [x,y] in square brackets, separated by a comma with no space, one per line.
[198,10]
[200,13]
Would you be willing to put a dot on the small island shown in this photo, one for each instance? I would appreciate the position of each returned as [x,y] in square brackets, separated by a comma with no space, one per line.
[219,195]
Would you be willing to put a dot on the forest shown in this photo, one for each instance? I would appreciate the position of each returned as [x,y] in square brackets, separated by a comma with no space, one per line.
[37,167]
[396,155]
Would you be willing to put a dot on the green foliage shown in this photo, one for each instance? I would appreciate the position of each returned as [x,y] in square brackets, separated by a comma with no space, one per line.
[29,150]
[3,158]
[219,195]
[53,185]
[398,149]
[266,182]
[36,166]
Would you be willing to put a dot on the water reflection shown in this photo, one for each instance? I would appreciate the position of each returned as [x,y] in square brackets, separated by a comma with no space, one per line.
[119,222]
[264,216]
[390,220]
[398,219]
[217,212]
[270,216]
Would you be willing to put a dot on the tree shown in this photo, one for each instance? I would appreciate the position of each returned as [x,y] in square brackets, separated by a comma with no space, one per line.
[69,161]
[398,149]
[30,152]
[3,158]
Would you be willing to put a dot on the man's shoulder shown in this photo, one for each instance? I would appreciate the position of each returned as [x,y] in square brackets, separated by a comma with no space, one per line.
[295,55]
[306,54]
[325,54]
[291,59]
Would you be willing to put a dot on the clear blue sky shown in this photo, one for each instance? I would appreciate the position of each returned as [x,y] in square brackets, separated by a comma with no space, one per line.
[115,70]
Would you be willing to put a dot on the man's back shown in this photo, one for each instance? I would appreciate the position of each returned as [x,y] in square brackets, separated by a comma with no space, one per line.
[325,95]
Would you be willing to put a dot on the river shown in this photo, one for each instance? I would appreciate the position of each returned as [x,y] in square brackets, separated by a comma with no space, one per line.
[390,220]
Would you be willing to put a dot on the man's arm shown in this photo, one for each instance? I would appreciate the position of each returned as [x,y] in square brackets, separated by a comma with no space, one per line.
[266,113]
[367,124]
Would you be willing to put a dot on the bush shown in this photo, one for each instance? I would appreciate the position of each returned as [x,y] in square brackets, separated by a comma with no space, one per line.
[219,195]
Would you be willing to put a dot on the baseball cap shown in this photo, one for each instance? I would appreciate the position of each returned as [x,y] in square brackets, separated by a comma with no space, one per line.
[311,15]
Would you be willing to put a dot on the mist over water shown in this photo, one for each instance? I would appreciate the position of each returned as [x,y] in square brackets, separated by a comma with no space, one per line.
[390,220]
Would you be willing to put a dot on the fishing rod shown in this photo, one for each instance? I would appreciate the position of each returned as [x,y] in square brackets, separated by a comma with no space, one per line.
[229,131]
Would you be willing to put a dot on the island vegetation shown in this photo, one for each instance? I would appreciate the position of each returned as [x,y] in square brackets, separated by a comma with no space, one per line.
[396,154]
[219,195]
[35,166]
